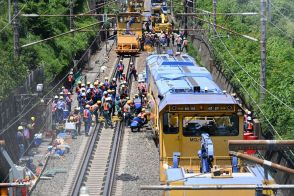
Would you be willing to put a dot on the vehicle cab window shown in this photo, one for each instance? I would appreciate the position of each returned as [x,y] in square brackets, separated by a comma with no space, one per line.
[213,125]
[170,123]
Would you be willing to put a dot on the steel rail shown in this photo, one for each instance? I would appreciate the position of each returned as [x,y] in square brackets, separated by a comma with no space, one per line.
[110,177]
[83,169]
[78,183]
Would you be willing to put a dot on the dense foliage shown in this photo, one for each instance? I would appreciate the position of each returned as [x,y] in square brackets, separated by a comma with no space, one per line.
[53,55]
[238,55]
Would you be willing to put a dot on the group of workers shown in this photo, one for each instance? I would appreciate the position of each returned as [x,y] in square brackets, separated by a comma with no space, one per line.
[164,39]
[101,98]
[23,135]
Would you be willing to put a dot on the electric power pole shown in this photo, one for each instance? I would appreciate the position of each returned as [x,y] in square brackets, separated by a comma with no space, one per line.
[214,3]
[9,10]
[263,50]
[16,30]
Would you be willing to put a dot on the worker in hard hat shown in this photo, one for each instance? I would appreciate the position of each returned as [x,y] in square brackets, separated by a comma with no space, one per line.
[105,95]
[120,69]
[124,91]
[82,101]
[60,109]
[54,109]
[70,80]
[127,112]
[106,83]
[78,87]
[68,101]
[88,85]
[123,77]
[118,106]
[20,141]
[107,107]
[77,119]
[32,124]
[113,84]
[133,71]
[87,117]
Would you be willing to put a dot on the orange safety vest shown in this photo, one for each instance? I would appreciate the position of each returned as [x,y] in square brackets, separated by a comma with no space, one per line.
[69,78]
[105,106]
[250,126]
[86,114]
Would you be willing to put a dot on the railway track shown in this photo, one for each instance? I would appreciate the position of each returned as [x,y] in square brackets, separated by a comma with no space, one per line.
[97,171]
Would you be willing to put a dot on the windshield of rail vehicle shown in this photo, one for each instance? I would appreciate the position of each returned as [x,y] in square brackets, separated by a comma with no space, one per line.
[213,125]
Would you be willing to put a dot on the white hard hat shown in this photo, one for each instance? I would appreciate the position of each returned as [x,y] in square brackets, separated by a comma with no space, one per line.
[83,94]
[87,106]
[20,128]
[131,63]
[56,97]
[61,97]
[114,79]
[105,93]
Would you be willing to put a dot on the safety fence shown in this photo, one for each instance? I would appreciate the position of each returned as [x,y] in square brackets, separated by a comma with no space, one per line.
[24,103]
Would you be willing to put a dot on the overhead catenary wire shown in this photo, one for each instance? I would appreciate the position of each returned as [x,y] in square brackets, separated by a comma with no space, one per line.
[283,32]
[246,91]
[253,100]
[226,48]
[280,13]
[44,97]
[9,22]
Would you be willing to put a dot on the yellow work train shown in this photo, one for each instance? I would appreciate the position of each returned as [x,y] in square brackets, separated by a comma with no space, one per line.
[194,119]
[129,29]
[160,18]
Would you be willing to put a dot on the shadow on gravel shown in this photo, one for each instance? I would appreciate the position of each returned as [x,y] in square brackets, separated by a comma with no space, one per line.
[127,177]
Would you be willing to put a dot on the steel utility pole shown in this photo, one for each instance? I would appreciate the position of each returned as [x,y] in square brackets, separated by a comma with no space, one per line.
[214,3]
[263,50]
[15,30]
[9,10]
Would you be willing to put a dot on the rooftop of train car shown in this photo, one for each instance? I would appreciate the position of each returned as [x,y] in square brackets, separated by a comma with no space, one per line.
[179,78]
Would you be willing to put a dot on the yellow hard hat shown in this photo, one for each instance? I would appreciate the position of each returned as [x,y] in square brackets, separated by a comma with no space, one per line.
[33,118]
[79,82]
[95,83]
[71,118]
[88,83]
[99,102]
[83,84]
[143,109]
[109,91]
[129,102]
[20,128]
